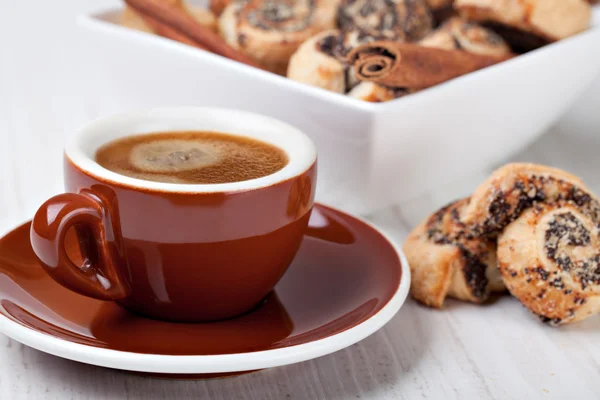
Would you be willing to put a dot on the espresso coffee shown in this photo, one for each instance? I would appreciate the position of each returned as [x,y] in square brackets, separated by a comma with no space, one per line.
[191,157]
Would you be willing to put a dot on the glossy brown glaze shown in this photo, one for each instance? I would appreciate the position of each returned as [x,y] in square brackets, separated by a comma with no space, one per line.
[343,274]
[174,256]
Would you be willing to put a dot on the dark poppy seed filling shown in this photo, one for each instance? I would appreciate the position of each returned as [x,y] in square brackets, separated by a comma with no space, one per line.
[543,274]
[333,46]
[282,15]
[474,269]
[565,232]
[557,283]
[336,46]
[527,192]
[391,19]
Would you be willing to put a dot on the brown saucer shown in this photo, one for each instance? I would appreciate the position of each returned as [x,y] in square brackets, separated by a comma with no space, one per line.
[344,275]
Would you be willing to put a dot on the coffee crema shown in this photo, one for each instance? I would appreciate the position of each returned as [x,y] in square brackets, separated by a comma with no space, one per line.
[196,157]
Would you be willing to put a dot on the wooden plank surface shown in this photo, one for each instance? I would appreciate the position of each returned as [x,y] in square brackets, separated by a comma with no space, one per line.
[497,351]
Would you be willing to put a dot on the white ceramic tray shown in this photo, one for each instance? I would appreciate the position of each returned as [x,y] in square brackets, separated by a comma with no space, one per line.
[370,155]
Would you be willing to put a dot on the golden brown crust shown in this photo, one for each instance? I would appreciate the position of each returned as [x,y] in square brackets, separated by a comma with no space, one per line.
[446,261]
[430,267]
[550,260]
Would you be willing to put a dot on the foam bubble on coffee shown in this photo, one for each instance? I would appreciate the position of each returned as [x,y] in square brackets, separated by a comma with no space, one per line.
[174,155]
[191,157]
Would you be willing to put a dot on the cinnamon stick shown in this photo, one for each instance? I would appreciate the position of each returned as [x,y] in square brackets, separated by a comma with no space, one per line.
[405,65]
[174,21]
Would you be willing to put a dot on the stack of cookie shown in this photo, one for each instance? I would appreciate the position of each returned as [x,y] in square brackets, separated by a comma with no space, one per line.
[482,27]
[309,40]
[531,229]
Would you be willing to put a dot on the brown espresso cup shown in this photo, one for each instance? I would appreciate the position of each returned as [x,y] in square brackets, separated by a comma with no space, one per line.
[178,252]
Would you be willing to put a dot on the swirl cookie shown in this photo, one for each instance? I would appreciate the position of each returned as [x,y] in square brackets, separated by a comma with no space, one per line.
[446,260]
[528,24]
[540,225]
[397,20]
[458,34]
[320,61]
[549,258]
[512,189]
[547,222]
[270,31]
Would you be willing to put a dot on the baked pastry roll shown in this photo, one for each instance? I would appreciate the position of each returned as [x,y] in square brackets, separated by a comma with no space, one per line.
[131,19]
[270,31]
[549,258]
[528,24]
[512,189]
[458,34]
[547,223]
[447,260]
[321,61]
[397,20]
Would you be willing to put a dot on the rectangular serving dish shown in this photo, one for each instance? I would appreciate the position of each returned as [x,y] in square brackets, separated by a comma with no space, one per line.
[370,154]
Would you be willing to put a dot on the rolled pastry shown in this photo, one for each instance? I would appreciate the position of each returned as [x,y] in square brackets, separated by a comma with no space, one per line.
[528,24]
[131,19]
[398,20]
[446,260]
[270,31]
[321,62]
[549,258]
[547,223]
[512,189]
[458,34]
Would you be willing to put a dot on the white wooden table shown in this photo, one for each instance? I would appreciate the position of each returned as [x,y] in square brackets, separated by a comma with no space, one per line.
[497,351]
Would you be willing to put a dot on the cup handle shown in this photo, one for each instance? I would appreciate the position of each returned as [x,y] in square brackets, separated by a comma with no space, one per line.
[99,276]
